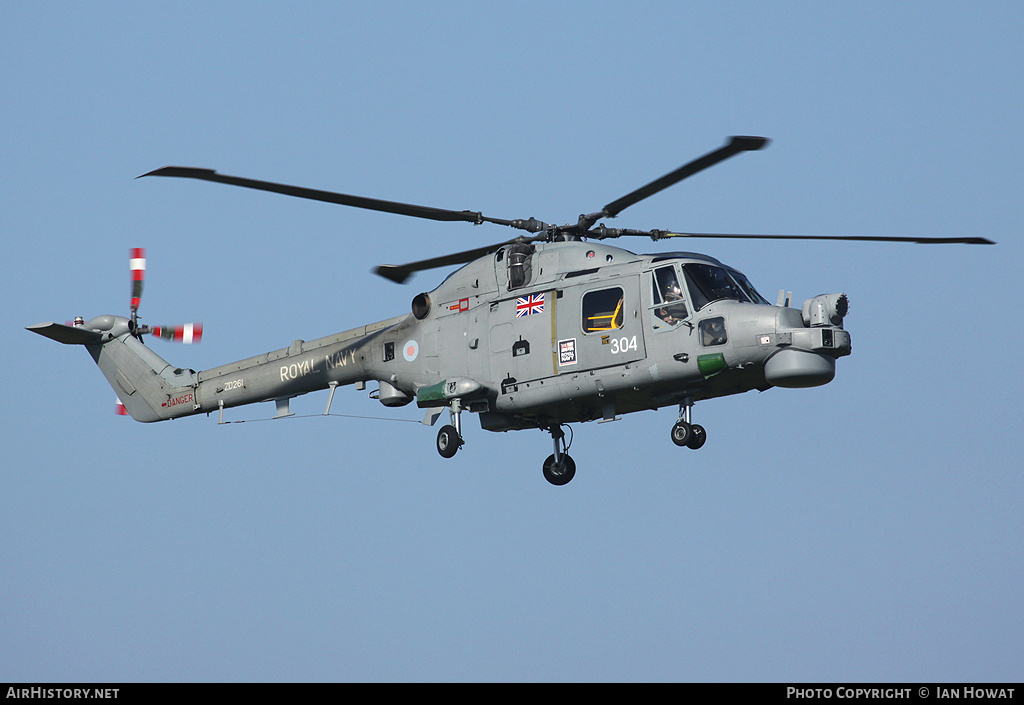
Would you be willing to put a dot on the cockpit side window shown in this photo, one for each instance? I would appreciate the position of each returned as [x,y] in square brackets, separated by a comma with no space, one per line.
[667,296]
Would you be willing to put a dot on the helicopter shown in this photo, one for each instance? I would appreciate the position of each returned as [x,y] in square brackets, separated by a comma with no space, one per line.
[536,332]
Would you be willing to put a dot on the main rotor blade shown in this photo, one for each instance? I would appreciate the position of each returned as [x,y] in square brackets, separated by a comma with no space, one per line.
[659,234]
[373,204]
[735,145]
[399,273]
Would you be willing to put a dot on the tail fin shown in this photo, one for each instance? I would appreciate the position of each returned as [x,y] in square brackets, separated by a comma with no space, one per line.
[149,387]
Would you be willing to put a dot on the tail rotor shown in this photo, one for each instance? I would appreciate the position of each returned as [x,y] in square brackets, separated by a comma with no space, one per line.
[187,333]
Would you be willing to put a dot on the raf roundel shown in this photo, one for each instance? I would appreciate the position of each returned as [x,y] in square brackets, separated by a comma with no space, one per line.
[410,350]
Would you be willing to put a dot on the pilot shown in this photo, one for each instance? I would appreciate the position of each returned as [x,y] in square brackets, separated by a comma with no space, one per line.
[664,315]
[79,321]
[672,314]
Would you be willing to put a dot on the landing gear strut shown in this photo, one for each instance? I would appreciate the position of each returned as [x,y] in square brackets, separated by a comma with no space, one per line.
[688,434]
[559,468]
[449,438]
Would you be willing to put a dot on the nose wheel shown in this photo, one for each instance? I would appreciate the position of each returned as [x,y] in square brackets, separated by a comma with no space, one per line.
[687,434]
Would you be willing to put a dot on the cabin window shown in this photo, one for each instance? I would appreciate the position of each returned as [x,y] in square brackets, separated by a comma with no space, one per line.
[602,310]
[669,306]
[712,331]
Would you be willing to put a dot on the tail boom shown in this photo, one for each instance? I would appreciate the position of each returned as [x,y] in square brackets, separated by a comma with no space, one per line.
[151,389]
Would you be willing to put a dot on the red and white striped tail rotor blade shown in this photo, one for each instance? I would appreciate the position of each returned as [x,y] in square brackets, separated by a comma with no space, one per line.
[120,410]
[188,333]
[137,263]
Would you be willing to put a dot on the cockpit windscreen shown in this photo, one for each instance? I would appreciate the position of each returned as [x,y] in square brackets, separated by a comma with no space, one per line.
[708,283]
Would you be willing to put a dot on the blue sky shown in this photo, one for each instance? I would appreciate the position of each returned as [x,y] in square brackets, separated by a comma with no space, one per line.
[867,530]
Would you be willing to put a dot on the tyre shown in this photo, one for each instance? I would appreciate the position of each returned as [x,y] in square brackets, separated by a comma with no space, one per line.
[448,441]
[682,432]
[697,437]
[559,474]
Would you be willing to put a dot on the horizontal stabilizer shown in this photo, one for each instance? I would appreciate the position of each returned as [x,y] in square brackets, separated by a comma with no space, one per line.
[69,335]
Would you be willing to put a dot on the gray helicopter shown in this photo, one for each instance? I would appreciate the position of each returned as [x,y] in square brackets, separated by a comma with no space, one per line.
[540,331]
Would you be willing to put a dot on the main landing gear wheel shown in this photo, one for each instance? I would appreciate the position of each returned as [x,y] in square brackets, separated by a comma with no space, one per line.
[448,441]
[559,468]
[559,473]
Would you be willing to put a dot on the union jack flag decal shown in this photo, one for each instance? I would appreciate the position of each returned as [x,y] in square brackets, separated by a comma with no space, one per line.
[529,305]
